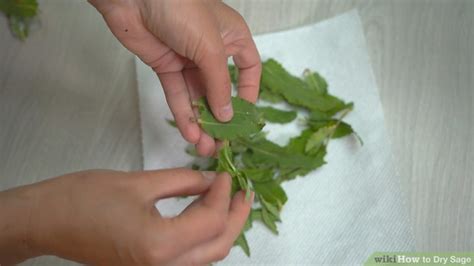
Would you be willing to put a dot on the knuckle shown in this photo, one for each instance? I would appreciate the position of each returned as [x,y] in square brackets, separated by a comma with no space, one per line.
[222,253]
[207,52]
[153,256]
[167,61]
[218,221]
[204,150]
[175,91]
[149,252]
[213,50]
[192,262]
[183,117]
[210,47]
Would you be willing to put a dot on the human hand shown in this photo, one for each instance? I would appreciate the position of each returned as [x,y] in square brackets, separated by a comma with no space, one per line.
[187,42]
[108,218]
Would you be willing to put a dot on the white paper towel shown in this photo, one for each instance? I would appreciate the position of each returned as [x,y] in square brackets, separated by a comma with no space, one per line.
[338,214]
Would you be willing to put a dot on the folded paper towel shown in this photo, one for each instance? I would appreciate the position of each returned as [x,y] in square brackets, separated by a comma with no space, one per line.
[338,214]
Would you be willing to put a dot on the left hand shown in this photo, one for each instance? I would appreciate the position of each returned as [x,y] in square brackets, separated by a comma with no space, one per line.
[106,217]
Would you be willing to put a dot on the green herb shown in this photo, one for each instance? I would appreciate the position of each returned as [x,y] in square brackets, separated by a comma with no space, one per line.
[19,14]
[225,163]
[315,82]
[246,120]
[265,153]
[241,241]
[171,123]
[258,164]
[295,90]
[234,74]
[273,115]
[269,96]
[317,138]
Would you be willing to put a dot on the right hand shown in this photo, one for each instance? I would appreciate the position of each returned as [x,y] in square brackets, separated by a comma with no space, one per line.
[108,217]
[187,42]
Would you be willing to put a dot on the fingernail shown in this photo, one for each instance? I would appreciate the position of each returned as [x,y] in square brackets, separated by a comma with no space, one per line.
[252,196]
[209,175]
[227,176]
[226,112]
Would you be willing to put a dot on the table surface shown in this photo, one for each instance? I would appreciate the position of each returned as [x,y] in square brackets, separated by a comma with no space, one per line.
[68,100]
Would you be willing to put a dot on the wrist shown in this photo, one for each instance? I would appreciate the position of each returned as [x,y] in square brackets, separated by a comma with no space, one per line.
[17,208]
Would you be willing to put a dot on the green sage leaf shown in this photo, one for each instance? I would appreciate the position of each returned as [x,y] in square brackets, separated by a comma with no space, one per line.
[241,241]
[246,120]
[274,115]
[294,90]
[269,221]
[315,82]
[272,192]
[319,137]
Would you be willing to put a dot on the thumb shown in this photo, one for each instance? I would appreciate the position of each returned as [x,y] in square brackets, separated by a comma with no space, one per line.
[165,183]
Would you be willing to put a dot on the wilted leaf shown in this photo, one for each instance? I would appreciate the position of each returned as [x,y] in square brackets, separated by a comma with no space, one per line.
[241,241]
[272,209]
[297,144]
[269,221]
[342,130]
[315,81]
[317,138]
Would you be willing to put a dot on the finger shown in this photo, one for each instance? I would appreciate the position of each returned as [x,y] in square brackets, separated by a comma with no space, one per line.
[212,63]
[178,99]
[248,62]
[241,46]
[161,184]
[219,145]
[202,222]
[218,248]
[250,70]
[206,144]
[193,80]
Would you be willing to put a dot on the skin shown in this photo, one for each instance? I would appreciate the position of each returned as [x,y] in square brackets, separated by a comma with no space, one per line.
[104,217]
[187,43]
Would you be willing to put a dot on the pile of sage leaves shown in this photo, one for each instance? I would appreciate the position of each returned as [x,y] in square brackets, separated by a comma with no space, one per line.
[260,165]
